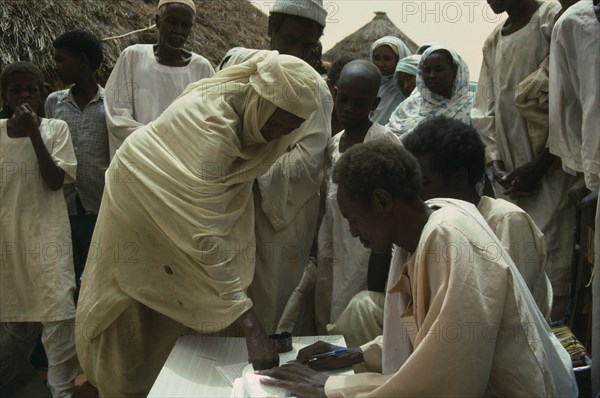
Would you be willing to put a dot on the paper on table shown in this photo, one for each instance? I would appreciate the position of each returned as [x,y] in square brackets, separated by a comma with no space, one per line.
[249,386]
[231,372]
[234,371]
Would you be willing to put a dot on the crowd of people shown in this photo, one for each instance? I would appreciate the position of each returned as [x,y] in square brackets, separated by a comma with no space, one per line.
[393,201]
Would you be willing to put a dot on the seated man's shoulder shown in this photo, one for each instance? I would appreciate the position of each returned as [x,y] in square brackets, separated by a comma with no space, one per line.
[499,206]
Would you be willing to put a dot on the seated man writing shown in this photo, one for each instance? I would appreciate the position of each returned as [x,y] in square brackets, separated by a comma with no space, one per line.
[466,323]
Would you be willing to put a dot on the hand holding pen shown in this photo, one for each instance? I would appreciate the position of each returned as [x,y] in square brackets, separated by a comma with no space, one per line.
[325,356]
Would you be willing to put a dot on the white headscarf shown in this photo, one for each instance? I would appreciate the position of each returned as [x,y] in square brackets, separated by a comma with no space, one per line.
[390,94]
[424,104]
[409,65]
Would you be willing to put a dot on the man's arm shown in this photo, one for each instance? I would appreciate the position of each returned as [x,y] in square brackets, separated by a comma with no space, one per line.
[120,96]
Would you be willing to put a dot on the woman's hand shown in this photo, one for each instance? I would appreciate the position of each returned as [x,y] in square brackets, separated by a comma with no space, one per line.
[262,352]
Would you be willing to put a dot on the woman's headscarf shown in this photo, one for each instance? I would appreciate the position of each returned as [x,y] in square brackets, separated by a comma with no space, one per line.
[389,92]
[408,65]
[423,103]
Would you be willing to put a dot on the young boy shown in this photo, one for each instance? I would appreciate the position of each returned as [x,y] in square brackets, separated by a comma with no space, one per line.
[36,266]
[342,261]
[78,56]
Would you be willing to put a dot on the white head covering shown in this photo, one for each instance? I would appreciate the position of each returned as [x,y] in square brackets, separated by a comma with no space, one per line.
[390,94]
[310,9]
[409,65]
[423,103]
[189,3]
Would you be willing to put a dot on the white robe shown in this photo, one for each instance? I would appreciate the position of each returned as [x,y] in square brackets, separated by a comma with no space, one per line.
[507,61]
[474,326]
[575,92]
[575,119]
[37,278]
[139,89]
[342,260]
[362,322]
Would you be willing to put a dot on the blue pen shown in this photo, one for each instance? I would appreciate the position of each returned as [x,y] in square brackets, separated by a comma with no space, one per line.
[328,354]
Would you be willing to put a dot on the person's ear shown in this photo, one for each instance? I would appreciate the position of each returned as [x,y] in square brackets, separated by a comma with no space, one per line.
[382,200]
[376,103]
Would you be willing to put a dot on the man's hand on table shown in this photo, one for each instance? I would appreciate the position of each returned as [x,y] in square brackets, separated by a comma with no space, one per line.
[339,361]
[262,352]
[298,379]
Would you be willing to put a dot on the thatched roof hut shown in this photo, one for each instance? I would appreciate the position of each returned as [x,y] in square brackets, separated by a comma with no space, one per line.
[27,28]
[358,44]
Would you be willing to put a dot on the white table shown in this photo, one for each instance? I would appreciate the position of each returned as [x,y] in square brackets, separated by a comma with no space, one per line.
[190,369]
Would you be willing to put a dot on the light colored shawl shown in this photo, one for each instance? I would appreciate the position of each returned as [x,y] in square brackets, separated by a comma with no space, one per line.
[424,104]
[179,192]
[390,94]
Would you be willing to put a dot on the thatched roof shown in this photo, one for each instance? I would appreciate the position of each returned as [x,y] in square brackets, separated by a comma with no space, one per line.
[358,44]
[27,28]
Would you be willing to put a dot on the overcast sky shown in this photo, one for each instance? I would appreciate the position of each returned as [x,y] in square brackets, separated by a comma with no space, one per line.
[462,25]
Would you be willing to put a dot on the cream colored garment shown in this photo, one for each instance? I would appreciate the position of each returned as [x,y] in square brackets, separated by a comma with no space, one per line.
[286,208]
[575,92]
[360,322]
[468,308]
[575,120]
[139,89]
[507,61]
[342,260]
[175,230]
[531,100]
[37,279]
[525,244]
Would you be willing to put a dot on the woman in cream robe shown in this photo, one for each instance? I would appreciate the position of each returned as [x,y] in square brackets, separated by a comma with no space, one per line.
[173,249]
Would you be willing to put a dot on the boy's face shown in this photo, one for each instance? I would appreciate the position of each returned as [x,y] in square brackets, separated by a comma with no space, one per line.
[174,23]
[294,38]
[373,226]
[279,124]
[354,100]
[68,66]
[23,88]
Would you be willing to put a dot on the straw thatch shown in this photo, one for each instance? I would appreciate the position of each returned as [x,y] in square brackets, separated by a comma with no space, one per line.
[27,28]
[358,44]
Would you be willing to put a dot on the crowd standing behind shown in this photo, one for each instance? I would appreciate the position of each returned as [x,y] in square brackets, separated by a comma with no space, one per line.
[323,174]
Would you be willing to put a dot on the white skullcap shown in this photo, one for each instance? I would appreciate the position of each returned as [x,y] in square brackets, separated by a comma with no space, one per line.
[310,9]
[189,3]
